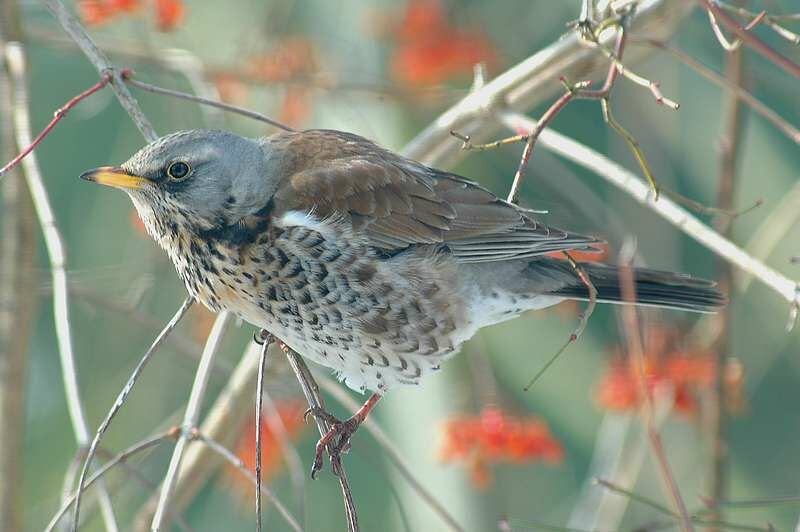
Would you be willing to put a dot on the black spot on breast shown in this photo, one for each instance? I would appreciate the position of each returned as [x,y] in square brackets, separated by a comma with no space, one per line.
[374,324]
[365,273]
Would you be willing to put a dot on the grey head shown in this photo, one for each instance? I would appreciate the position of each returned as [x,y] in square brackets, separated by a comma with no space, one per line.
[206,177]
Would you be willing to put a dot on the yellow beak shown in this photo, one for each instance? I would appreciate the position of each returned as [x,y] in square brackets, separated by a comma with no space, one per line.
[114,176]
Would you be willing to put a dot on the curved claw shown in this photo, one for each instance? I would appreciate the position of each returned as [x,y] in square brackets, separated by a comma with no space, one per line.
[336,441]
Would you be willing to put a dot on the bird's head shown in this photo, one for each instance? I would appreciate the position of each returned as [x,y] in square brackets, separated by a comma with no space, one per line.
[203,178]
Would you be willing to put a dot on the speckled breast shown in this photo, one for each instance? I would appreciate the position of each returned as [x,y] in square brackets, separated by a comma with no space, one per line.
[326,293]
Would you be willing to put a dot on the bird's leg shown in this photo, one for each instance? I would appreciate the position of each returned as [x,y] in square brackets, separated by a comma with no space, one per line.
[337,439]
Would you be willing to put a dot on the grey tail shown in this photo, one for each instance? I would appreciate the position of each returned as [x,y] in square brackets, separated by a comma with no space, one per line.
[653,288]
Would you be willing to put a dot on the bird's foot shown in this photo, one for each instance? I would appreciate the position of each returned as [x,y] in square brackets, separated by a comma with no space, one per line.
[337,439]
[262,336]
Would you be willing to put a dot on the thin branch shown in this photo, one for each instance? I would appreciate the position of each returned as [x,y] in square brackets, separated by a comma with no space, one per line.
[123,395]
[191,416]
[635,350]
[729,46]
[60,113]
[632,495]
[290,454]
[532,82]
[128,76]
[779,222]
[127,50]
[19,243]
[615,56]
[729,149]
[583,319]
[236,462]
[314,399]
[118,459]
[224,423]
[104,67]
[771,21]
[533,135]
[392,453]
[266,338]
[740,92]
[15,59]
[751,40]
[664,207]
[792,500]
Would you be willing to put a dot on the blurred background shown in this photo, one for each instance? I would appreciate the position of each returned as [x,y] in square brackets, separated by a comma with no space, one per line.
[491,453]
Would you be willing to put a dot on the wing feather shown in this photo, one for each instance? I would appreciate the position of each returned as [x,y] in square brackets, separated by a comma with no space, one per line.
[399,203]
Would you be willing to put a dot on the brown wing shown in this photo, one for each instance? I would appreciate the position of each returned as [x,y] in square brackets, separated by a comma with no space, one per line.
[400,203]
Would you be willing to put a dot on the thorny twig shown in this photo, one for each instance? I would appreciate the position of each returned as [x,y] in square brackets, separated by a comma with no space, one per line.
[635,350]
[751,40]
[123,395]
[54,243]
[191,416]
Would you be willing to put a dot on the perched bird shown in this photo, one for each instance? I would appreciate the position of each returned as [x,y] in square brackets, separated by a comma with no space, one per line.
[359,259]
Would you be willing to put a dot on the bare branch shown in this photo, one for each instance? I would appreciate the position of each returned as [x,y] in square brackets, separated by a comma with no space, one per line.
[635,351]
[128,76]
[393,453]
[104,67]
[771,21]
[664,207]
[57,116]
[290,453]
[19,243]
[118,459]
[730,142]
[191,416]
[223,423]
[267,339]
[547,117]
[751,40]
[236,462]
[123,395]
[757,105]
[315,402]
[534,81]
[15,58]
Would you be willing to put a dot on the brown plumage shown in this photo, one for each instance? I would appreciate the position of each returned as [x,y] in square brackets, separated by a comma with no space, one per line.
[360,259]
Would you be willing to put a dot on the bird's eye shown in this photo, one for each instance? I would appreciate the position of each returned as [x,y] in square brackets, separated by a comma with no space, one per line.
[178,170]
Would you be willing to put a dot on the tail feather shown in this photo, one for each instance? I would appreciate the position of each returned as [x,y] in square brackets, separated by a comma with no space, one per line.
[653,288]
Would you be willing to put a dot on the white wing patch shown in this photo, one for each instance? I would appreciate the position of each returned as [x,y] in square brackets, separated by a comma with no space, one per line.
[307,220]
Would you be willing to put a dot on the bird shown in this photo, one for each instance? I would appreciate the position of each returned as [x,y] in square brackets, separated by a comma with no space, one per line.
[359,259]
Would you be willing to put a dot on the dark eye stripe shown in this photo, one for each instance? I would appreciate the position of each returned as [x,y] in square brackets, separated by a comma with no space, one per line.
[178,170]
